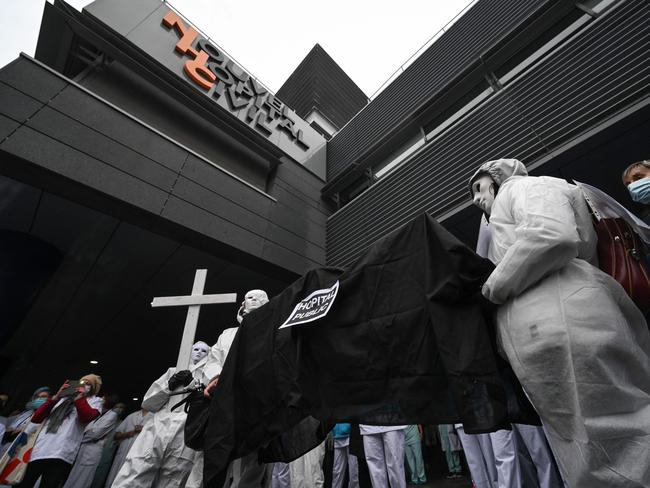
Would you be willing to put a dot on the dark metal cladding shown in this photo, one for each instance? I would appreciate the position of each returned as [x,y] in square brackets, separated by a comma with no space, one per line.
[460,47]
[319,83]
[588,81]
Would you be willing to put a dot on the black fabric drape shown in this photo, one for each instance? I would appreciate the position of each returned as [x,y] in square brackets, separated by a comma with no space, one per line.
[405,342]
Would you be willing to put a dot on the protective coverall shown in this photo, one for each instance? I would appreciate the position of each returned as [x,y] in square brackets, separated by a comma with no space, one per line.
[507,445]
[159,457]
[124,446]
[575,340]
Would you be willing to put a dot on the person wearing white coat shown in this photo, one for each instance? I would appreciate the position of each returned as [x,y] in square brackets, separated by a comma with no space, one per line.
[159,457]
[125,436]
[575,340]
[95,436]
[64,418]
[509,469]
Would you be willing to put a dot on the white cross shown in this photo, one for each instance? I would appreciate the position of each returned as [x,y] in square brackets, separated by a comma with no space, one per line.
[193,303]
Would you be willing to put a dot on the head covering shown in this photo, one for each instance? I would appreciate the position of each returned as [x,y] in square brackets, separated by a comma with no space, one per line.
[499,170]
[65,405]
[94,381]
[41,390]
[260,295]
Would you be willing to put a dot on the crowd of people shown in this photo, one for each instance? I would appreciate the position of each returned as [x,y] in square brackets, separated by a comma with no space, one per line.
[577,343]
[89,441]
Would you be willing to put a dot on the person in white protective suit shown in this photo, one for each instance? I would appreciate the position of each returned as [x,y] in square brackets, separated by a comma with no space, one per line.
[250,473]
[507,445]
[575,340]
[125,436]
[384,450]
[95,436]
[159,457]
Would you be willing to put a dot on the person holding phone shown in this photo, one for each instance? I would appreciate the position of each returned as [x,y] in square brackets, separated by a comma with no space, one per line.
[64,417]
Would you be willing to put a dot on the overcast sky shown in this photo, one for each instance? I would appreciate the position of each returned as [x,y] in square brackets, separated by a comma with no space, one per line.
[369,40]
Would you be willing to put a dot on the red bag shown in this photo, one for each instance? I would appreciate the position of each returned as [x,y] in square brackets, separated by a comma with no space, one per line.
[621,255]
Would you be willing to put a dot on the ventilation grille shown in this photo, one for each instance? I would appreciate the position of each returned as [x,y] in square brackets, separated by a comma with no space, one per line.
[477,30]
[587,81]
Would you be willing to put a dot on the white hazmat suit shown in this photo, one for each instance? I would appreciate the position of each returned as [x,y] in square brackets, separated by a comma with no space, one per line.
[575,340]
[124,446]
[506,445]
[159,457]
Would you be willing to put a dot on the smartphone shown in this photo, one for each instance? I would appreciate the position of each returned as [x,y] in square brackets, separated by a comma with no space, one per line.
[71,390]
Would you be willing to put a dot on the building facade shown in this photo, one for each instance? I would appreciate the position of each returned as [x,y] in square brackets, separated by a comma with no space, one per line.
[134,150]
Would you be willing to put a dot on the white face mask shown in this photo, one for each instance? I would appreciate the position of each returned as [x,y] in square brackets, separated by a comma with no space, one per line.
[252,300]
[483,190]
[199,351]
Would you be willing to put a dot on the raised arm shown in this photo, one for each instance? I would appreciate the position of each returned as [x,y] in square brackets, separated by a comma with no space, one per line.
[546,239]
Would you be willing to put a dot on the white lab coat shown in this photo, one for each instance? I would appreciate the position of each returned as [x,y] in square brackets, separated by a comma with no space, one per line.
[95,435]
[123,446]
[159,456]
[64,443]
[577,343]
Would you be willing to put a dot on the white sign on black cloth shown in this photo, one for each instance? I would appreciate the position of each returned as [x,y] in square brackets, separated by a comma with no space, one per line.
[314,307]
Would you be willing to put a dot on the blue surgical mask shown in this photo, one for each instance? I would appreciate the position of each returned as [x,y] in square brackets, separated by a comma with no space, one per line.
[640,190]
[34,404]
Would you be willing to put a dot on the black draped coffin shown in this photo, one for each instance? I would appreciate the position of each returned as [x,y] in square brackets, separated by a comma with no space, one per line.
[407,340]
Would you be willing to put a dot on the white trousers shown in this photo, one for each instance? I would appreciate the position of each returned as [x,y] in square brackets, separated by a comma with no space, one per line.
[343,461]
[480,458]
[385,458]
[307,470]
[505,457]
[535,441]
[150,471]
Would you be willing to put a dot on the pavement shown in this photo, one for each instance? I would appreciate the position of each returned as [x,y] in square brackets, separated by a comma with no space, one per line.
[464,482]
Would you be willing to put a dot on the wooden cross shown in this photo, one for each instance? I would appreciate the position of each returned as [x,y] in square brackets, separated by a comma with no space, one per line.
[193,303]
